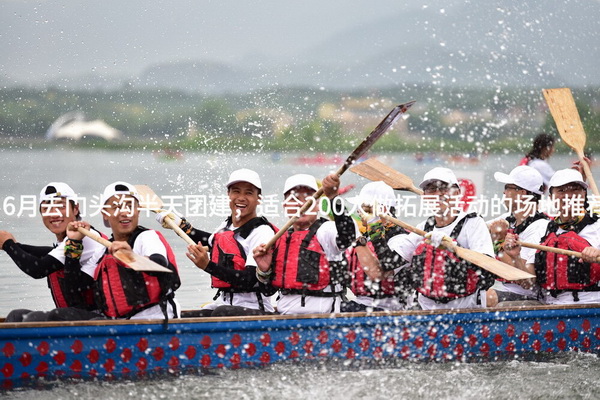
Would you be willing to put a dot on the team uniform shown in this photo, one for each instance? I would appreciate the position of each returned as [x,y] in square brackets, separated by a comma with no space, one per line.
[125,293]
[309,267]
[563,279]
[531,230]
[70,285]
[232,266]
[441,279]
[392,293]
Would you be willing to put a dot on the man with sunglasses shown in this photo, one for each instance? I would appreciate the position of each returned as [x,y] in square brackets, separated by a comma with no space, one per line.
[523,189]
[442,280]
[566,279]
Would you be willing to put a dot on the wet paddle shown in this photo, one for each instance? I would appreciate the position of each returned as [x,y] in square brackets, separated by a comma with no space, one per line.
[484,261]
[375,170]
[362,148]
[553,249]
[131,259]
[564,111]
[154,203]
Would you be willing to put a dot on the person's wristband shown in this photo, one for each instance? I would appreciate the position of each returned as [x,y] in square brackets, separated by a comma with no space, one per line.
[73,248]
[185,226]
[262,276]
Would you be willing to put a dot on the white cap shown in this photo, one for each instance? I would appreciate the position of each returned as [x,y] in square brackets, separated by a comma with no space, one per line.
[524,177]
[439,174]
[244,175]
[564,176]
[119,188]
[57,189]
[372,192]
[306,180]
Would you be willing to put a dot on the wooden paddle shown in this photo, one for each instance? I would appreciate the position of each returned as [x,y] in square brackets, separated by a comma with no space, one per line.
[553,249]
[154,203]
[128,257]
[362,148]
[564,111]
[484,261]
[375,170]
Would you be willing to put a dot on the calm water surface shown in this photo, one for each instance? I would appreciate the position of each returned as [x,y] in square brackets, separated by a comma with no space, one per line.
[25,172]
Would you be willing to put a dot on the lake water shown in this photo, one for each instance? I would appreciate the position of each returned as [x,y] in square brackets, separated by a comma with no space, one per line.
[24,172]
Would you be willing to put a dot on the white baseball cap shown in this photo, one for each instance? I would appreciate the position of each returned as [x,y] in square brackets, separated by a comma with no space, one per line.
[524,177]
[244,175]
[119,188]
[564,176]
[372,192]
[439,174]
[57,189]
[297,180]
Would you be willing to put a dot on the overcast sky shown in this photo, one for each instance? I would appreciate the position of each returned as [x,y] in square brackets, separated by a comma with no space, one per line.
[116,36]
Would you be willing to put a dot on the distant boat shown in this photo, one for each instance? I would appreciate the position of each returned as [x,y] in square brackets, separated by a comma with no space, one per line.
[319,159]
[168,154]
[73,125]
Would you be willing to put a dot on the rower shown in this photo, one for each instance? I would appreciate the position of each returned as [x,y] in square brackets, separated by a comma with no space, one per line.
[58,207]
[307,264]
[231,263]
[377,277]
[523,189]
[442,280]
[122,292]
[567,279]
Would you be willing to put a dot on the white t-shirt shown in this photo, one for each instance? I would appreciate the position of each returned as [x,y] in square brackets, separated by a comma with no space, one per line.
[259,235]
[88,260]
[292,303]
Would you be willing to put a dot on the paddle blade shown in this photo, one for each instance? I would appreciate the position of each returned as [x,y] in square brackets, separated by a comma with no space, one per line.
[564,111]
[375,170]
[379,130]
[148,199]
[138,263]
[492,265]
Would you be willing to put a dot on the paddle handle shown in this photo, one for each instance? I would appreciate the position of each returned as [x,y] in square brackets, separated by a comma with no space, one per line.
[553,250]
[449,244]
[178,230]
[588,174]
[295,218]
[97,238]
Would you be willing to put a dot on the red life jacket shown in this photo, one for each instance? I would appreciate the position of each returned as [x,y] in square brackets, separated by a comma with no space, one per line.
[361,284]
[122,292]
[517,230]
[524,161]
[440,275]
[300,264]
[227,252]
[558,272]
[56,283]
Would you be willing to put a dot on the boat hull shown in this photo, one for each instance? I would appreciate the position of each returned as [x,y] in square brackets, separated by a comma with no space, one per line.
[130,349]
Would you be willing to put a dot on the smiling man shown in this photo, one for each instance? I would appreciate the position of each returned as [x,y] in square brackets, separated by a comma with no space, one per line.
[231,263]
[58,207]
[122,292]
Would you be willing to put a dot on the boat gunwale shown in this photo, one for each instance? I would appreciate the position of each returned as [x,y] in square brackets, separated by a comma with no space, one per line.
[369,317]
